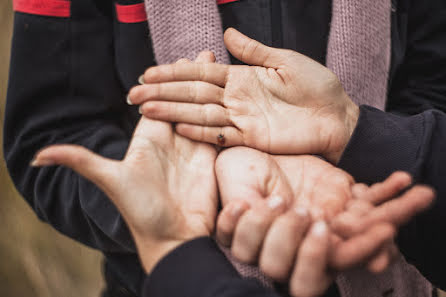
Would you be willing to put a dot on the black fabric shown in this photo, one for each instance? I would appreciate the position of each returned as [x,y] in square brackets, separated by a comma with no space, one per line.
[114,285]
[383,143]
[418,72]
[69,78]
[198,269]
[284,24]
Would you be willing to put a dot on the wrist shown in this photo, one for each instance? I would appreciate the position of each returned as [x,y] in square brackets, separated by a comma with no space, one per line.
[150,253]
[347,125]
[152,250]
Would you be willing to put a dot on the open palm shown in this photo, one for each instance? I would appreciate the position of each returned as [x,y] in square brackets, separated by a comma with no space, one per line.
[165,187]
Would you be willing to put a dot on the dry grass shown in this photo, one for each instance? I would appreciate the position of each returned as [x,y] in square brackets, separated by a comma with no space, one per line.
[35,260]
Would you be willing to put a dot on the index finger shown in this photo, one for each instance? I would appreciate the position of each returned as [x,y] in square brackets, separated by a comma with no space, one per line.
[208,72]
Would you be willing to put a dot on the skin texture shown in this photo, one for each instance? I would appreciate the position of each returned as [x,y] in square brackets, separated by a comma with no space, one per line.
[154,186]
[362,222]
[285,103]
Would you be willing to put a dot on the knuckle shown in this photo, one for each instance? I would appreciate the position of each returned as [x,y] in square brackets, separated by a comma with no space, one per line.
[244,254]
[151,108]
[210,112]
[312,254]
[193,91]
[251,47]
[256,221]
[273,269]
[153,91]
[224,227]
[202,92]
[152,73]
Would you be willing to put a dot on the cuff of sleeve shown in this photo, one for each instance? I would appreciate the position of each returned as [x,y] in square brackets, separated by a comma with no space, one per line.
[189,270]
[381,144]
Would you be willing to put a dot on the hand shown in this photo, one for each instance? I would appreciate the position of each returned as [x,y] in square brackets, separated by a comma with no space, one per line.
[264,219]
[261,229]
[285,104]
[165,187]
[377,204]
[156,187]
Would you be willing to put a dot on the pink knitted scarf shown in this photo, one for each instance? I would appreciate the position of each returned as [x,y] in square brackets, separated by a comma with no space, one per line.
[358,48]
[358,53]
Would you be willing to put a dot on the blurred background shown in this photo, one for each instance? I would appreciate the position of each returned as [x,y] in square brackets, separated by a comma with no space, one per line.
[35,260]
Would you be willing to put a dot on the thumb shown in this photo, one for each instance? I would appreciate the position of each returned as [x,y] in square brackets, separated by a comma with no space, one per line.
[95,168]
[252,52]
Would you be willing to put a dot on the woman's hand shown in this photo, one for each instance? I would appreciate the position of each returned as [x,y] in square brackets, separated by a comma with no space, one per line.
[270,202]
[165,187]
[285,104]
[264,223]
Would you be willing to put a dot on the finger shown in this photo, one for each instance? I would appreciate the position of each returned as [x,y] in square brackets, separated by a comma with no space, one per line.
[183,61]
[401,210]
[252,228]
[392,186]
[176,112]
[191,92]
[207,72]
[227,221]
[380,262]
[310,277]
[359,191]
[141,77]
[93,167]
[359,208]
[253,52]
[282,242]
[222,136]
[346,224]
[359,248]
[205,57]
[397,212]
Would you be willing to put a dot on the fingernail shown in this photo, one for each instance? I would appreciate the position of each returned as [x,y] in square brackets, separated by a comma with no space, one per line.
[141,79]
[40,163]
[129,102]
[301,211]
[140,110]
[319,228]
[275,201]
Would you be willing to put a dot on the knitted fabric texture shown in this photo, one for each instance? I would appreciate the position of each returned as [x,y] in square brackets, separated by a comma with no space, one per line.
[399,280]
[358,53]
[183,29]
[359,48]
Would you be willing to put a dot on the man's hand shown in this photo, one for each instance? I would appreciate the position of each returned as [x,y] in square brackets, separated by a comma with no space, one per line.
[165,187]
[285,104]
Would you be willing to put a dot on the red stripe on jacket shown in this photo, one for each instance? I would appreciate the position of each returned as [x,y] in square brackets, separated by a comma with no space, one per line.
[53,8]
[225,1]
[134,13]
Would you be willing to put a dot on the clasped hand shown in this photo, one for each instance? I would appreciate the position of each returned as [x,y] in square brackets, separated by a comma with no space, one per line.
[298,217]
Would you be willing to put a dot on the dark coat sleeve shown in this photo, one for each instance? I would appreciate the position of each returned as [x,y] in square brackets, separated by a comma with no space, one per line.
[418,74]
[198,268]
[64,88]
[383,143]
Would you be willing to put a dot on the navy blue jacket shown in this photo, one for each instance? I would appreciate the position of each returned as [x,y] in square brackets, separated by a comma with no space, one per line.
[69,77]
